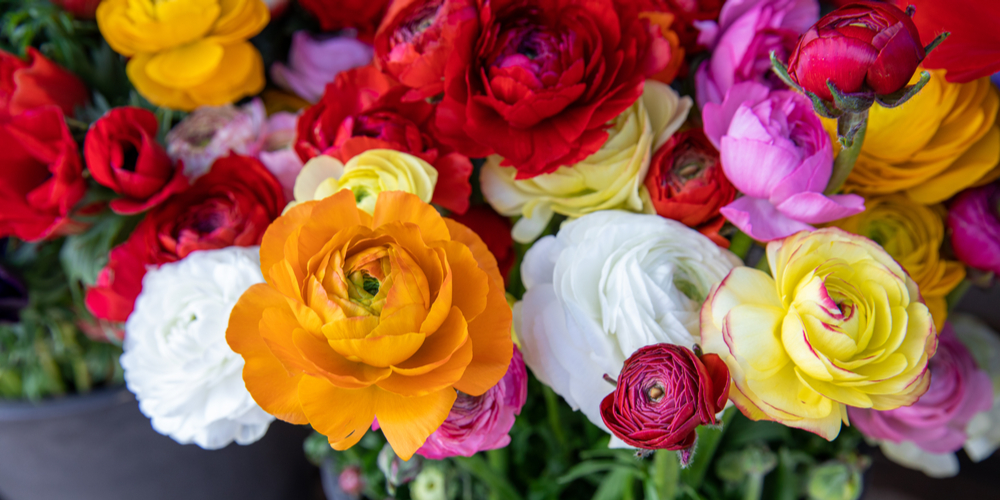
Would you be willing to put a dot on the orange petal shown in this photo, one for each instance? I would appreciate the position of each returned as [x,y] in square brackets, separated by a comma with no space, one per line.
[437,379]
[393,206]
[408,422]
[429,259]
[379,351]
[272,385]
[318,301]
[403,320]
[330,216]
[438,348]
[492,346]
[471,282]
[342,415]
[272,246]
[409,285]
[351,328]
[277,327]
[487,261]
[326,363]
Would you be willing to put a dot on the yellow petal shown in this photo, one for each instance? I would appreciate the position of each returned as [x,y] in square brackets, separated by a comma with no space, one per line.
[408,422]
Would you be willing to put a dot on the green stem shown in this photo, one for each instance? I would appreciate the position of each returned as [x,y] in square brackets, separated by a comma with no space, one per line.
[706,445]
[628,488]
[754,487]
[955,296]
[850,148]
[741,244]
[552,408]
[498,462]
[666,474]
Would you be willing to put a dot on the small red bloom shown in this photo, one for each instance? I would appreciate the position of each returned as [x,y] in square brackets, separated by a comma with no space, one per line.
[362,15]
[494,230]
[122,153]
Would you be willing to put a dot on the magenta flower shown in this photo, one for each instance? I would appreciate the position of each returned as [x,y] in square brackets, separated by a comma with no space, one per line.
[775,151]
[480,423]
[974,220]
[936,423]
[314,62]
[742,41]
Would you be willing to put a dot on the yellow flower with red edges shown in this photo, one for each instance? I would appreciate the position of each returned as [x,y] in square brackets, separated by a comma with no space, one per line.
[371,316]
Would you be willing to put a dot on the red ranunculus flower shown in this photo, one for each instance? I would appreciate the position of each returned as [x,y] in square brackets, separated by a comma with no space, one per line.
[231,205]
[664,392]
[122,153]
[544,79]
[41,177]
[37,82]
[494,230]
[863,46]
[83,9]
[973,49]
[686,183]
[362,15]
[687,12]
[364,109]
[418,37]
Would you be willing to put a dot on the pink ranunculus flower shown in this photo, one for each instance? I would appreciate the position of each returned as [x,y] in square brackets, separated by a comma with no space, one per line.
[480,423]
[276,152]
[775,151]
[937,422]
[313,62]
[974,220]
[742,41]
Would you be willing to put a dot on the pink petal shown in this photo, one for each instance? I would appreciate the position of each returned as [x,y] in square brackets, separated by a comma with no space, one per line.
[761,220]
[815,208]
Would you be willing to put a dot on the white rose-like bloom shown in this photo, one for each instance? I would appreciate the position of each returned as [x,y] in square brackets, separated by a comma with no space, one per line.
[607,284]
[611,178]
[176,359]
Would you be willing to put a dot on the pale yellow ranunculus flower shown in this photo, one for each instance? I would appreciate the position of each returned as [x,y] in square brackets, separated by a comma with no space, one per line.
[912,234]
[840,324]
[366,175]
[187,53]
[940,142]
[611,178]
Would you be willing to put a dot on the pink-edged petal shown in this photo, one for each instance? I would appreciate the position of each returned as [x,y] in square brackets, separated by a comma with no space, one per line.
[816,208]
[761,220]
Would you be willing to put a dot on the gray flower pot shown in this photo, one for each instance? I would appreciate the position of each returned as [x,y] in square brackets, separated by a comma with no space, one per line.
[99,446]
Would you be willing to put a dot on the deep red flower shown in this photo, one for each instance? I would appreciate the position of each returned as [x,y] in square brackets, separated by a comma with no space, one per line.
[41,176]
[418,37]
[362,15]
[494,230]
[664,392]
[122,153]
[83,9]
[863,46]
[544,78]
[37,82]
[686,13]
[232,205]
[364,109]
[973,49]
[686,183]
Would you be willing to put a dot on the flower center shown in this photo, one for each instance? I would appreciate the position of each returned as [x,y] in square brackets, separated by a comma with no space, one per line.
[655,393]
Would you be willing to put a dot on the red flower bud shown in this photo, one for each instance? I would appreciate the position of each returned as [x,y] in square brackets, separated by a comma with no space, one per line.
[663,394]
[864,46]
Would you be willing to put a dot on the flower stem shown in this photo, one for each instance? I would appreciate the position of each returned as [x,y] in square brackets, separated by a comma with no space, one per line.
[851,128]
[666,473]
[754,486]
[741,244]
[552,408]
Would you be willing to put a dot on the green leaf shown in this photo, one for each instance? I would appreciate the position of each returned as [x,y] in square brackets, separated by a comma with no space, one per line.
[84,255]
[594,466]
[478,467]
[614,485]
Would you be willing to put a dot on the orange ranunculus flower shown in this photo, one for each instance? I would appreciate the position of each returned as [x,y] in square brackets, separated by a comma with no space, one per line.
[371,316]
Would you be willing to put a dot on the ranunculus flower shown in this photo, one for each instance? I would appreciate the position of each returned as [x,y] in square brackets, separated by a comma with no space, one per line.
[363,109]
[335,15]
[688,16]
[13,295]
[83,9]
[664,392]
[211,132]
[480,423]
[313,62]
[686,183]
[973,49]
[187,53]
[122,153]
[755,126]
[419,37]
[912,234]
[936,422]
[546,78]
[494,230]
[371,316]
[37,82]
[176,361]
[276,150]
[611,178]
[863,46]
[938,143]
[974,221]
[840,324]
[742,41]
[983,431]
[41,178]
[607,284]
[366,175]
[230,206]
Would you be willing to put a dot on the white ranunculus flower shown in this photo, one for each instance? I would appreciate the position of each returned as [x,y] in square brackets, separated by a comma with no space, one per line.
[983,431]
[176,359]
[609,283]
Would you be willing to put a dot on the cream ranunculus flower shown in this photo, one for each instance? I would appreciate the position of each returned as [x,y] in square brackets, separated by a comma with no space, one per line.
[840,324]
[611,178]
[176,359]
[609,283]
[366,175]
[983,432]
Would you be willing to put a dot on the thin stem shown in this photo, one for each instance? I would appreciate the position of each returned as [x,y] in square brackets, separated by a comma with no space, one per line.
[741,244]
[552,408]
[956,294]
[844,163]
[754,487]
[666,473]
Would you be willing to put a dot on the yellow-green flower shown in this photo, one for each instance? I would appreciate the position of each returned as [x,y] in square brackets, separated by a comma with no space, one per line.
[187,53]
[366,175]
[912,234]
[611,178]
[840,324]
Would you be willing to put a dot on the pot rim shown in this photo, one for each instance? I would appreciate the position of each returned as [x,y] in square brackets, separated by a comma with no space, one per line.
[65,406]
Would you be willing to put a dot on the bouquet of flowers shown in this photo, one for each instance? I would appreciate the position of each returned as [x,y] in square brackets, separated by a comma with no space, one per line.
[513,249]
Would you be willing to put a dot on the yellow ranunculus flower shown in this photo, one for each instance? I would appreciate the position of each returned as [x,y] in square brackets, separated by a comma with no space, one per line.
[187,53]
[366,175]
[912,234]
[940,142]
[840,324]
[611,178]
